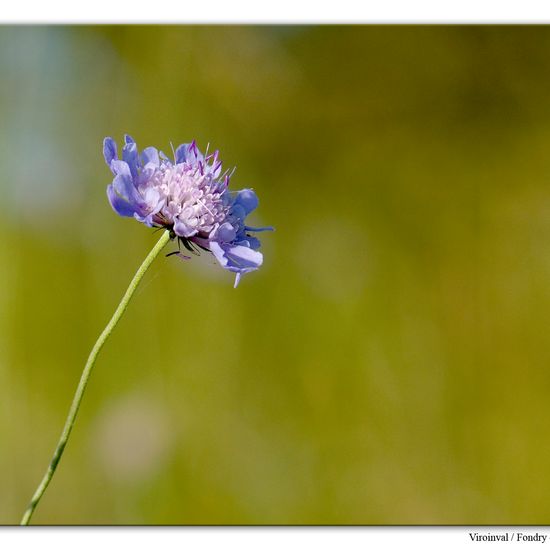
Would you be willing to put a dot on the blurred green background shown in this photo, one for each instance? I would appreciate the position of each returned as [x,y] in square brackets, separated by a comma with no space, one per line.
[390,361]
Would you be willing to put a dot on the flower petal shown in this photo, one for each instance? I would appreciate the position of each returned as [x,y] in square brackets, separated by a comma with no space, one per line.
[247,199]
[124,187]
[146,173]
[258,229]
[181,229]
[237,258]
[119,167]
[145,219]
[226,233]
[130,156]
[181,153]
[150,155]
[238,211]
[109,150]
[119,204]
[253,242]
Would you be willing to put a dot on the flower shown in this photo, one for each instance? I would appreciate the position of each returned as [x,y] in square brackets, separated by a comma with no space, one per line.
[189,197]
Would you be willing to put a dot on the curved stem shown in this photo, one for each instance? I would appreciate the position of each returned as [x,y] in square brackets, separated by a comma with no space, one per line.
[69,423]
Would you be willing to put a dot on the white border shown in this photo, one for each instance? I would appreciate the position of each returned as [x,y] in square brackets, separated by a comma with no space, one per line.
[276,12]
[266,538]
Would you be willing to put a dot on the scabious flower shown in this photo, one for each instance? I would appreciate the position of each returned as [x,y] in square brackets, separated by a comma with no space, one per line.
[189,197]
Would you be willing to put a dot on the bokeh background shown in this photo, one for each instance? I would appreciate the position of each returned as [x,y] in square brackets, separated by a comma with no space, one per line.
[390,362]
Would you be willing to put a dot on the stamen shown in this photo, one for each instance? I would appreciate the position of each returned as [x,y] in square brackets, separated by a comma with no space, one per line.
[204,206]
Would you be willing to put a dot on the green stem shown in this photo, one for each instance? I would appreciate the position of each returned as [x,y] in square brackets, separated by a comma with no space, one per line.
[69,423]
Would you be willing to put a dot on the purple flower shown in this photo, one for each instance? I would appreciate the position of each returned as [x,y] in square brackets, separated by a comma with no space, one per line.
[189,197]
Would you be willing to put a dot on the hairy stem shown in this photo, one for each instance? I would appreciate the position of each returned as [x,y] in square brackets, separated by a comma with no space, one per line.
[77,399]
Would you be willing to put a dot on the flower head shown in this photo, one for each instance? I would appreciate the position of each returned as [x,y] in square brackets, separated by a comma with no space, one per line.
[190,197]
